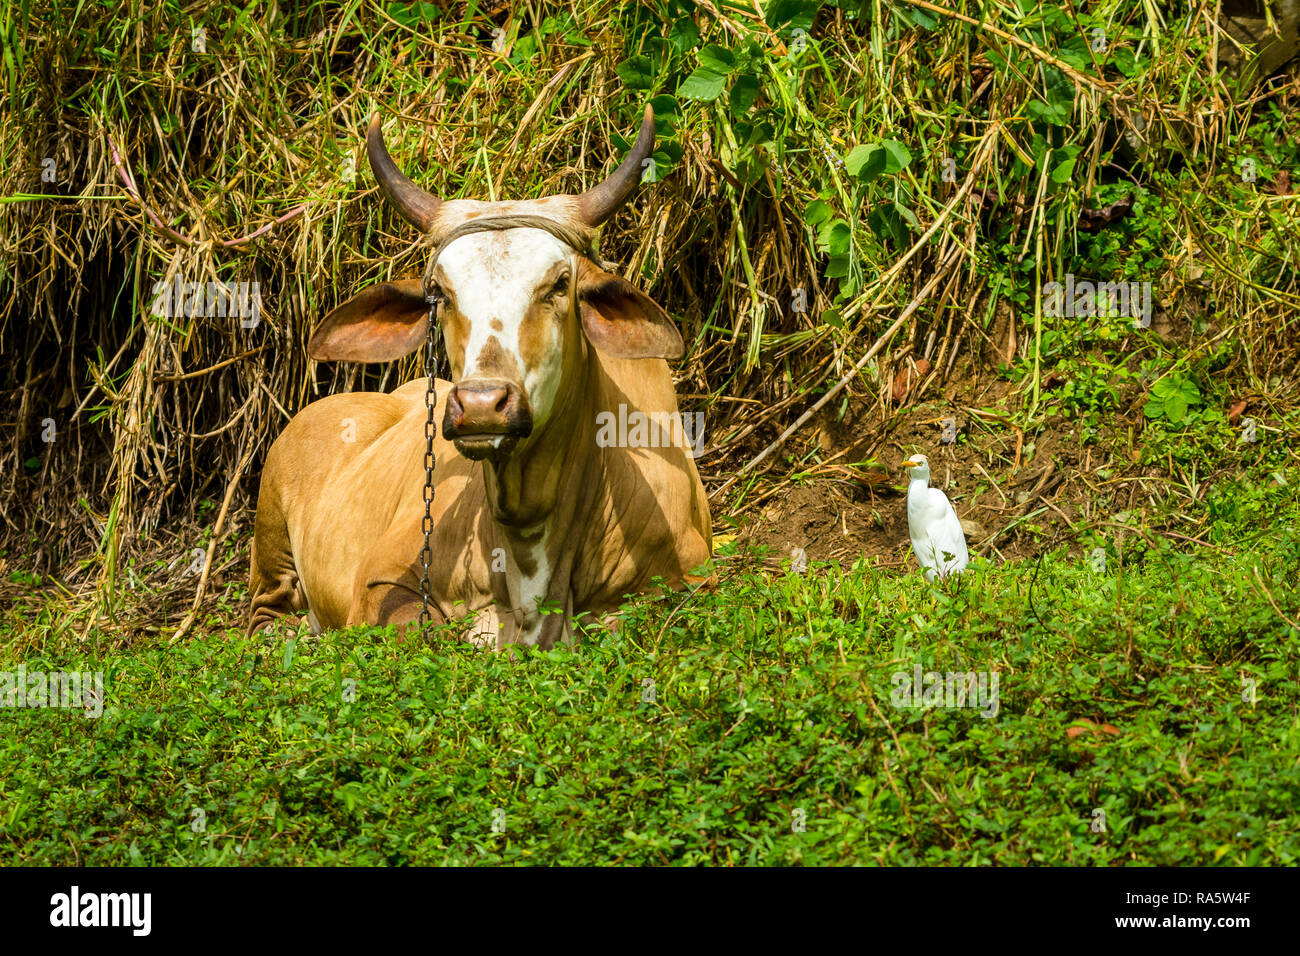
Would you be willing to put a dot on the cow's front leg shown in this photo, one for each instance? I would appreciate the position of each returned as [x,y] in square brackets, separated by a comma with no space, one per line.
[485,629]
[381,603]
[538,630]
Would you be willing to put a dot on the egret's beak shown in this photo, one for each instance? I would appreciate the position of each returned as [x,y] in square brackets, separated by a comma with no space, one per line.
[909,464]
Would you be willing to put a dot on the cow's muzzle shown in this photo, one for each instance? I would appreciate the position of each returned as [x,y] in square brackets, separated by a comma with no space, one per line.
[486,418]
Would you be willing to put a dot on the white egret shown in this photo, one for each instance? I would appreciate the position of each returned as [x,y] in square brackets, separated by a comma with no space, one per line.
[937,538]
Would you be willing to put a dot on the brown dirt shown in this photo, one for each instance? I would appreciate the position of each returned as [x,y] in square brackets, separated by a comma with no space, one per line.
[1017,494]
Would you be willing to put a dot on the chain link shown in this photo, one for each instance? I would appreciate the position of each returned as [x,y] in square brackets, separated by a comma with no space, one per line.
[430,399]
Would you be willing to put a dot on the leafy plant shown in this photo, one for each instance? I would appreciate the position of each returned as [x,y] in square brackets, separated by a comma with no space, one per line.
[1171,398]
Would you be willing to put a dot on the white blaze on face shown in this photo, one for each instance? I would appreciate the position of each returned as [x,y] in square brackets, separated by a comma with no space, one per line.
[493,279]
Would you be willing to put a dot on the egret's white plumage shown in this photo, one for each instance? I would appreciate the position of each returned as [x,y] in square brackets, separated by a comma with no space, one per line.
[937,539]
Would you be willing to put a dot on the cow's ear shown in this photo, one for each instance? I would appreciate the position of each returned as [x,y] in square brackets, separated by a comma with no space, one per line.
[622,321]
[381,324]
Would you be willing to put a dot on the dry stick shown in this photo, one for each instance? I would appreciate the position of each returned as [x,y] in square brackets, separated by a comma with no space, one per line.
[125,174]
[880,343]
[771,410]
[944,296]
[1269,594]
[107,369]
[295,211]
[1079,78]
[212,546]
[561,74]
[211,368]
[981,153]
[274,401]
[982,150]
[234,420]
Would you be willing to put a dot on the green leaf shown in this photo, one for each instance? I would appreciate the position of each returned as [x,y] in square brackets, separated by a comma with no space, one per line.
[838,267]
[758,133]
[798,14]
[667,114]
[1058,100]
[703,84]
[838,237]
[668,154]
[718,59]
[1176,408]
[857,158]
[637,73]
[1063,171]
[919,18]
[710,77]
[1065,168]
[1122,59]
[1172,398]
[868,162]
[897,158]
[872,165]
[654,172]
[887,222]
[817,213]
[684,35]
[743,94]
[408,13]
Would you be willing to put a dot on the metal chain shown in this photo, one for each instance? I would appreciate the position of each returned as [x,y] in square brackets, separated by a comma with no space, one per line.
[430,399]
[581,242]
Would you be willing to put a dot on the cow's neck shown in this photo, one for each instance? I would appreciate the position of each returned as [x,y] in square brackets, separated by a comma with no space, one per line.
[540,498]
[526,490]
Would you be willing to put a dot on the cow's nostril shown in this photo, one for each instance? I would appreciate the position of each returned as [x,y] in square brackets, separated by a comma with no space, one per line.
[479,409]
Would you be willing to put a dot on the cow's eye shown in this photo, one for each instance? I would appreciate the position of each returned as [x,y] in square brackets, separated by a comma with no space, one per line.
[560,288]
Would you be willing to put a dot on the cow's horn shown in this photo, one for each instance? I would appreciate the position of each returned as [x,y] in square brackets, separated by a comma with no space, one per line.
[600,202]
[416,206]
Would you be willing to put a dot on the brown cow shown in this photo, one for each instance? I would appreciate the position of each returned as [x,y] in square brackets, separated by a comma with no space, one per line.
[535,508]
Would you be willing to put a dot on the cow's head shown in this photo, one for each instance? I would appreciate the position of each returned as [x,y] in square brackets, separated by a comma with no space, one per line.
[518,298]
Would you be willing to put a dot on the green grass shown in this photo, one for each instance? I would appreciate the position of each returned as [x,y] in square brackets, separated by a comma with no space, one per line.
[772,694]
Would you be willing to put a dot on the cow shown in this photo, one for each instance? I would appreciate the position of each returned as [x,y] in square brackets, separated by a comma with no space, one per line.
[537,516]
